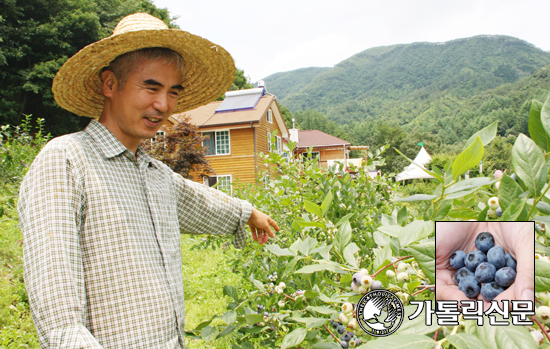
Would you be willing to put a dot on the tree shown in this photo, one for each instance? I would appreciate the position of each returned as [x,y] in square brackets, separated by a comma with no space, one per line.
[241,82]
[181,149]
[37,37]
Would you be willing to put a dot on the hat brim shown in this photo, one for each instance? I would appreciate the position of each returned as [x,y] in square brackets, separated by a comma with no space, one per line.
[209,69]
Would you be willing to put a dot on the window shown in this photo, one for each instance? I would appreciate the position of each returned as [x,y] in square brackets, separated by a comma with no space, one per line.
[270,116]
[222,183]
[217,142]
[314,155]
[269,142]
[277,146]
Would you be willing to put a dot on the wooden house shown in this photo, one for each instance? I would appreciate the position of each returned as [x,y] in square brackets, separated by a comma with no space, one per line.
[237,130]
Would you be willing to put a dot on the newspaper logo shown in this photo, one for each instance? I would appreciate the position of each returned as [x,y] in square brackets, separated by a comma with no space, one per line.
[380,313]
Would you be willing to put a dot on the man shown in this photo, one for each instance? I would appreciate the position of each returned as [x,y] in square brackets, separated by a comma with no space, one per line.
[101,219]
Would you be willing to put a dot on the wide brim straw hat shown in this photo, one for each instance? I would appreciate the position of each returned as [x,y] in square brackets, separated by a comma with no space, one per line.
[209,69]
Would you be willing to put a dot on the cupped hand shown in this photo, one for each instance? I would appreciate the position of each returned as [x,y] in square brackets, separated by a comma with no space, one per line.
[517,238]
[260,225]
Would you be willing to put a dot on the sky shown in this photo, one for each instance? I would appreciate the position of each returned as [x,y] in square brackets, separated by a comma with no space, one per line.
[267,37]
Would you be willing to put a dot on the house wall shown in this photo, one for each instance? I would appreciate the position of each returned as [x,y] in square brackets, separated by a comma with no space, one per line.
[263,128]
[326,154]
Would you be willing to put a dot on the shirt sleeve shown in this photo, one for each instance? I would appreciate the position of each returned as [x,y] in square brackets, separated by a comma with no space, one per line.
[203,210]
[50,207]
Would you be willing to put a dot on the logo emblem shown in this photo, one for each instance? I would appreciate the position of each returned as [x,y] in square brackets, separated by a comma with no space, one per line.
[380,313]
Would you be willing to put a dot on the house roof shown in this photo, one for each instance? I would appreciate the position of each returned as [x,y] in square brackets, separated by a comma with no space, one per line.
[316,139]
[206,115]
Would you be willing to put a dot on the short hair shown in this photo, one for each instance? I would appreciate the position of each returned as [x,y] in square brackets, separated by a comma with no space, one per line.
[125,64]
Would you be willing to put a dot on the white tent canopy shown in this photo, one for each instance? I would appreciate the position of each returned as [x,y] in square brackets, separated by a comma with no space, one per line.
[414,172]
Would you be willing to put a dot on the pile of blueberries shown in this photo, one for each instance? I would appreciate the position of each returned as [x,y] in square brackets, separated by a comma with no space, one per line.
[348,339]
[487,270]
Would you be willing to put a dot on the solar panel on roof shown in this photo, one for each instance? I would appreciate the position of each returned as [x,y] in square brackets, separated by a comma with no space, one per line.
[242,99]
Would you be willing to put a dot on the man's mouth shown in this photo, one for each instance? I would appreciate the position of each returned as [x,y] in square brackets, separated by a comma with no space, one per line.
[153,119]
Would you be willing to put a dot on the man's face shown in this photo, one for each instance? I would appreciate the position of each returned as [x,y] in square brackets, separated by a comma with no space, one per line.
[148,97]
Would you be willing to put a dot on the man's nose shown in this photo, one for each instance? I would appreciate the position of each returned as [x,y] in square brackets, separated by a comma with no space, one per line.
[161,103]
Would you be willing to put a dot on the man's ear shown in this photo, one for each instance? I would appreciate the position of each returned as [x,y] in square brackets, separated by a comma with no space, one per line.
[110,83]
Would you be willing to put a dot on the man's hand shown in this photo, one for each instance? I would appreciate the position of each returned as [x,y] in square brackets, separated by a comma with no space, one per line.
[260,225]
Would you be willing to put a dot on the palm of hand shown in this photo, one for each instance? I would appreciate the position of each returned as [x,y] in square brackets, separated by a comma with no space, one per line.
[451,236]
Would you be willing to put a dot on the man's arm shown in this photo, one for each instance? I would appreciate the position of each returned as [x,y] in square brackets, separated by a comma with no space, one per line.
[50,213]
[203,210]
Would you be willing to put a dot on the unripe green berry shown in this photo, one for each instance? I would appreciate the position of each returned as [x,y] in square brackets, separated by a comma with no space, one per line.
[390,274]
[543,314]
[402,267]
[347,308]
[402,277]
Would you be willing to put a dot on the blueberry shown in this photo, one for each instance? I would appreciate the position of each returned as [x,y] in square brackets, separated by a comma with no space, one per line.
[469,286]
[505,276]
[475,258]
[266,313]
[498,211]
[376,285]
[485,272]
[341,329]
[457,259]
[462,273]
[335,324]
[484,241]
[357,279]
[346,337]
[490,291]
[510,261]
[344,344]
[495,256]
[513,176]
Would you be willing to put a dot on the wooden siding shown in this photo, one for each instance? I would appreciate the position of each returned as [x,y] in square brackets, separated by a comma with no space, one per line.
[263,129]
[327,154]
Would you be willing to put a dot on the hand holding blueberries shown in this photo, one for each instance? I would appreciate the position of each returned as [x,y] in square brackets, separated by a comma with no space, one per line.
[472,262]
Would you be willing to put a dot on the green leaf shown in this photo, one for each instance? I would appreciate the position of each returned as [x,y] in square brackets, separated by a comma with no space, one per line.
[466,341]
[327,202]
[275,249]
[294,338]
[418,324]
[381,256]
[415,231]
[326,345]
[312,268]
[300,222]
[230,317]
[466,187]
[203,325]
[424,254]
[391,230]
[402,215]
[209,333]
[536,128]
[323,310]
[404,341]
[513,337]
[343,237]
[258,284]
[542,275]
[307,246]
[508,191]
[486,135]
[290,266]
[416,197]
[251,319]
[542,206]
[231,292]
[346,218]
[442,209]
[514,211]
[529,164]
[323,250]
[381,239]
[227,331]
[349,252]
[545,115]
[469,158]
[543,219]
[313,208]
[311,322]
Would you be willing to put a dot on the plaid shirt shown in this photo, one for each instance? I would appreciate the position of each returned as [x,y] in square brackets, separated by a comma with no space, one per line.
[102,242]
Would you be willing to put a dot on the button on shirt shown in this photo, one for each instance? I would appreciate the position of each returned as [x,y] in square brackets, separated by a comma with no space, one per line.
[101,231]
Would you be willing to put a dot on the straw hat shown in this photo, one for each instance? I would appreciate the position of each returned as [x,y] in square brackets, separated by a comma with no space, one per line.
[209,70]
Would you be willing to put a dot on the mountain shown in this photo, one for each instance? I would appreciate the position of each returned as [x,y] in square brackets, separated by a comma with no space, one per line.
[410,84]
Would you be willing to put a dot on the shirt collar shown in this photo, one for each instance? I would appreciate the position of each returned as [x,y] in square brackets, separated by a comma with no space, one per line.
[109,145]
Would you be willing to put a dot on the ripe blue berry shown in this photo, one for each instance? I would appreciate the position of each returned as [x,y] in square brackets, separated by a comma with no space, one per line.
[457,259]
[341,329]
[510,261]
[357,279]
[344,344]
[498,211]
[485,272]
[475,258]
[376,285]
[484,241]
[495,256]
[461,274]
[490,291]
[335,324]
[505,276]
[346,337]
[469,286]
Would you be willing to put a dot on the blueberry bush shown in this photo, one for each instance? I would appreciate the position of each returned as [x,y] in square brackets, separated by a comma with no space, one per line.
[344,234]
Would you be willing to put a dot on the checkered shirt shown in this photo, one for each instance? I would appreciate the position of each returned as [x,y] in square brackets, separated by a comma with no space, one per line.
[101,234]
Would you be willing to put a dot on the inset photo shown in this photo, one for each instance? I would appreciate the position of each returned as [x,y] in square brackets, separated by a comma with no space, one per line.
[485,261]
